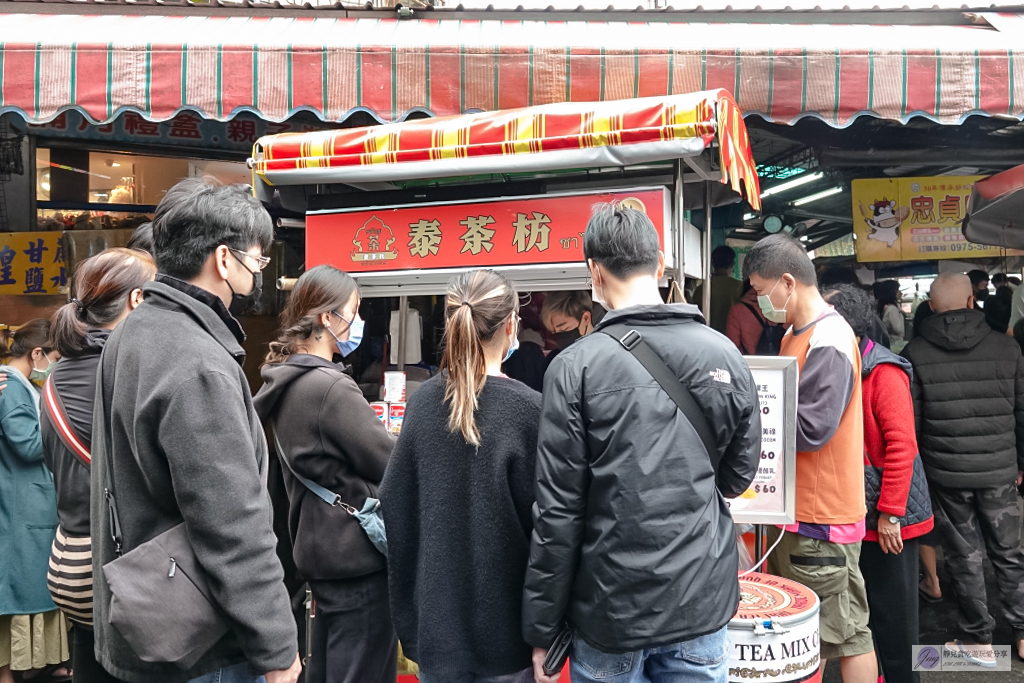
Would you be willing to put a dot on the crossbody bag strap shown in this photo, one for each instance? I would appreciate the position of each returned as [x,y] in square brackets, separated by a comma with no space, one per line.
[54,406]
[326,495]
[634,342]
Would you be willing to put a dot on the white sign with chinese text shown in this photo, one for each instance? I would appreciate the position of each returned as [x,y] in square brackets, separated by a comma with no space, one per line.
[771,498]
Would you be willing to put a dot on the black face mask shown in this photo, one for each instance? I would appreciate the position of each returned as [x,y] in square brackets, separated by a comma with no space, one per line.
[565,339]
[981,294]
[244,303]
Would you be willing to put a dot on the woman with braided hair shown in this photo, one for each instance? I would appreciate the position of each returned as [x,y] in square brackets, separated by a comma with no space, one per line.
[458,498]
[107,287]
[330,442]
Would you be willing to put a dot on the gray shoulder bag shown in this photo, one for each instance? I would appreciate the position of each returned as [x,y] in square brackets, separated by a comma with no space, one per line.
[160,599]
[370,517]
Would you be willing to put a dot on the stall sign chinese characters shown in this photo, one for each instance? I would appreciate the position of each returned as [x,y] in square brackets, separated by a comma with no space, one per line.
[31,263]
[905,219]
[499,232]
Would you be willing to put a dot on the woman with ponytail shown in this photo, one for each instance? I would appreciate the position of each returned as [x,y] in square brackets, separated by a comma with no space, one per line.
[329,439]
[106,287]
[458,497]
[33,634]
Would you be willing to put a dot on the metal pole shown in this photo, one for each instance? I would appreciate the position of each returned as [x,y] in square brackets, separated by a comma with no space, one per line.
[403,315]
[758,543]
[706,253]
[677,224]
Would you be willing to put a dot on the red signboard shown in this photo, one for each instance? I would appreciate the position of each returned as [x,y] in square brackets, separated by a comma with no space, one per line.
[545,229]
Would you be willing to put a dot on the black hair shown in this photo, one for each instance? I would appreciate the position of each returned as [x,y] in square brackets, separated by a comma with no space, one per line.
[886,292]
[999,279]
[196,216]
[977,277]
[622,240]
[723,257]
[776,255]
[835,275]
[142,238]
[854,304]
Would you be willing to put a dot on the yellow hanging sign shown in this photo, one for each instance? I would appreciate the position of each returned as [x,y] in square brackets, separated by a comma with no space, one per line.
[914,219]
[32,263]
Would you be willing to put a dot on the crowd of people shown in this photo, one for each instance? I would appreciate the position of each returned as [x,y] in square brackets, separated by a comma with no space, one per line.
[504,522]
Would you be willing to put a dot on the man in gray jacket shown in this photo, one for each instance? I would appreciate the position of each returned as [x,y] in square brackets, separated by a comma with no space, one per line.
[633,544]
[183,441]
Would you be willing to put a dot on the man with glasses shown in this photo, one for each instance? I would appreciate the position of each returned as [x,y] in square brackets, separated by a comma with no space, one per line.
[185,445]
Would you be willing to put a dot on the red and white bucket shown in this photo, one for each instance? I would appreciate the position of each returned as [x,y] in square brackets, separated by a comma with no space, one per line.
[775,632]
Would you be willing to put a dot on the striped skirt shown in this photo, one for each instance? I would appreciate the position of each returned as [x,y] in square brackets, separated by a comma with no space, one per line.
[70,576]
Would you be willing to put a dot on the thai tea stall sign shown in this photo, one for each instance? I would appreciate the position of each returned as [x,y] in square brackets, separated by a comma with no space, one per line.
[541,229]
[31,263]
[906,219]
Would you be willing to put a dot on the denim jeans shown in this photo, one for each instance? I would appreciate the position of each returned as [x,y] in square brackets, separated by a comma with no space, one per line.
[701,660]
[237,673]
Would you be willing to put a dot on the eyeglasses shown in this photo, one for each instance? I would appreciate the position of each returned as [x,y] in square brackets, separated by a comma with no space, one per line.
[261,261]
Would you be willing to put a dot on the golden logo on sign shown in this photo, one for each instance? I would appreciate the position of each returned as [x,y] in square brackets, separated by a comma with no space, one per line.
[374,241]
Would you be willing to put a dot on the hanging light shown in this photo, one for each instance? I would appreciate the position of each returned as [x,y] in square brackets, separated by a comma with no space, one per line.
[817,195]
[795,182]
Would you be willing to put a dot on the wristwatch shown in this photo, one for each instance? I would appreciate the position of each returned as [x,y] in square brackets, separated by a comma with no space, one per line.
[893,519]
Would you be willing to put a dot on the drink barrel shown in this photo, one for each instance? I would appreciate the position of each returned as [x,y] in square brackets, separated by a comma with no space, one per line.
[775,632]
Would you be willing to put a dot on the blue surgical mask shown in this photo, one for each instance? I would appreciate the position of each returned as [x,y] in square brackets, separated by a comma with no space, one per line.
[515,343]
[772,314]
[355,335]
[512,349]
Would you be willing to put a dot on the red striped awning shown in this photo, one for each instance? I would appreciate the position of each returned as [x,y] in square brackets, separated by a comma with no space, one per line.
[533,139]
[277,66]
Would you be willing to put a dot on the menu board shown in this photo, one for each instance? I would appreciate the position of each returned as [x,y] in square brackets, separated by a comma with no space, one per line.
[771,498]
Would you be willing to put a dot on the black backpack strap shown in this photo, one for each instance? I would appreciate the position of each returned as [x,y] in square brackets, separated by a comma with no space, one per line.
[634,342]
[759,318]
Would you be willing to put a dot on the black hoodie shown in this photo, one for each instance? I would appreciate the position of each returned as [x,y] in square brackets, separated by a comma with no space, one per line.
[75,382]
[968,400]
[332,437]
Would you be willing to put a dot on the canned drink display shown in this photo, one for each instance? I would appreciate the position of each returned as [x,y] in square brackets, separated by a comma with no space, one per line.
[396,415]
[380,408]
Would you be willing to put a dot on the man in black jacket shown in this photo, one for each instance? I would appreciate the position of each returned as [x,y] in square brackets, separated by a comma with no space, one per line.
[184,444]
[969,403]
[633,544]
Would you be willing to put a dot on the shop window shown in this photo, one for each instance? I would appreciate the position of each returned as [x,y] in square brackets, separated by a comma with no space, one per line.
[72,186]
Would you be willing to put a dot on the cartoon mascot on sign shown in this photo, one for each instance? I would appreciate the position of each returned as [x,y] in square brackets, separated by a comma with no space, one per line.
[884,219]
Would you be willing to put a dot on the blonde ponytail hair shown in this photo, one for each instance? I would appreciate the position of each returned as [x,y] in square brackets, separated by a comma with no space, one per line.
[478,304]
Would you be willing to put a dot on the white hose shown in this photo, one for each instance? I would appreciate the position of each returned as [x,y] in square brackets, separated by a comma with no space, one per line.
[782,532]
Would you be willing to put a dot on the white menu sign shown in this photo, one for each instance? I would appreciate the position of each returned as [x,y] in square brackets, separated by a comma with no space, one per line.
[771,498]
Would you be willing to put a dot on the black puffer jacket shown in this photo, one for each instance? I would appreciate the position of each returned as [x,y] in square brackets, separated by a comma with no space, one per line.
[968,400]
[75,381]
[633,543]
[332,437]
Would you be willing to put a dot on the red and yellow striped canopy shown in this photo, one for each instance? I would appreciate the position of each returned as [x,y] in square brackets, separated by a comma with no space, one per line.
[549,137]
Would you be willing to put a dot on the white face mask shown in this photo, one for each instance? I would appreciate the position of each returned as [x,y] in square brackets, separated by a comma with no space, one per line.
[772,314]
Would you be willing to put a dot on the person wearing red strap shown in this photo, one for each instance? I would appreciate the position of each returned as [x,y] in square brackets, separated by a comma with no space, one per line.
[107,287]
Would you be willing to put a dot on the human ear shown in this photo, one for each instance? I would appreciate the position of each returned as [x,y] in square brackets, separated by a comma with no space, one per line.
[221,256]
